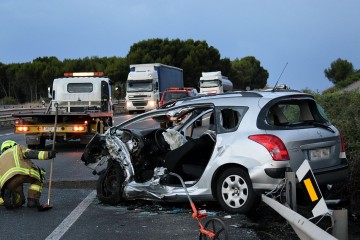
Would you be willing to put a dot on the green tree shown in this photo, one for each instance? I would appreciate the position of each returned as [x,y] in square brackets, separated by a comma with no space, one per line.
[247,72]
[192,56]
[339,70]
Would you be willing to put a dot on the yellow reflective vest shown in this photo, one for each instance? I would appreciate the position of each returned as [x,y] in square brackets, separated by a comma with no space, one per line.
[16,160]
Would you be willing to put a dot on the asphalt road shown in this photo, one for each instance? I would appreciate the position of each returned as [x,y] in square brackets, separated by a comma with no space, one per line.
[77,214]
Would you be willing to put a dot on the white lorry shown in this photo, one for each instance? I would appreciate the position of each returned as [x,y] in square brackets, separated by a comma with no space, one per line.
[147,82]
[214,82]
[84,108]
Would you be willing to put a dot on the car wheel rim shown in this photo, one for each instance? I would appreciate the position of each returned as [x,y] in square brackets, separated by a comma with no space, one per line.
[110,184]
[234,191]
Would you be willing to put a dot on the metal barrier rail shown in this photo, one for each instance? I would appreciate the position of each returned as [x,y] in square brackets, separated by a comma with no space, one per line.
[6,111]
[304,228]
[6,118]
[119,106]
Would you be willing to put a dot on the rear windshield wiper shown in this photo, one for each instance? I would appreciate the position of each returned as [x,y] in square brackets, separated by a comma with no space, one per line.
[321,125]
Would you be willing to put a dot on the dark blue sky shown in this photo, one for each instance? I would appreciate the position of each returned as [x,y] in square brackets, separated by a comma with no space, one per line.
[306,34]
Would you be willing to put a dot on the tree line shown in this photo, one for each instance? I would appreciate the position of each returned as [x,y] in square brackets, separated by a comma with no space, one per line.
[28,82]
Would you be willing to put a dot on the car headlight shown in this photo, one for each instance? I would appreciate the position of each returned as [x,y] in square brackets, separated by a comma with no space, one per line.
[152,103]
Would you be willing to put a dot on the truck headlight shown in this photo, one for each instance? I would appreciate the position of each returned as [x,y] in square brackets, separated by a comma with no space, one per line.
[128,104]
[152,103]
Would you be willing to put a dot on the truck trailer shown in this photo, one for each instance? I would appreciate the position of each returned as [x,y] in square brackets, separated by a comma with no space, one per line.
[82,103]
[214,83]
[147,82]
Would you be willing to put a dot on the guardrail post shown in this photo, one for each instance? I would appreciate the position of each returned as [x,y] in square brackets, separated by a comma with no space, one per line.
[340,228]
[291,190]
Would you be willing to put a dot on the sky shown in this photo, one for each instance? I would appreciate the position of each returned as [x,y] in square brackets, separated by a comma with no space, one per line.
[305,36]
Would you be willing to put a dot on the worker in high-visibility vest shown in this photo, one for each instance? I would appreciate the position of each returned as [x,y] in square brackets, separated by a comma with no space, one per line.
[16,168]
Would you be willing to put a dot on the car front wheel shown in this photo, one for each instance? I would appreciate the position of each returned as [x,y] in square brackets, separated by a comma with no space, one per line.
[109,184]
[234,191]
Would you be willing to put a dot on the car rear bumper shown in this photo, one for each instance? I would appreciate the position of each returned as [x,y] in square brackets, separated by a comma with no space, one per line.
[332,175]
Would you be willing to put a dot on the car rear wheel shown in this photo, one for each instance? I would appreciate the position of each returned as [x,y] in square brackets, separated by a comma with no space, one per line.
[234,191]
[109,184]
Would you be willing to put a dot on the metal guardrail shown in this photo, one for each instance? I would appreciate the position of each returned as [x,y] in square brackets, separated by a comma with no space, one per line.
[303,227]
[6,118]
[6,111]
[119,106]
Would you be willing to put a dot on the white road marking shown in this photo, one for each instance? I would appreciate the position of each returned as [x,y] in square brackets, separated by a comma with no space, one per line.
[73,216]
[6,134]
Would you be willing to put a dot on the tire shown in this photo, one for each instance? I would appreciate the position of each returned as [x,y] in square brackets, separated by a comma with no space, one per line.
[109,184]
[234,191]
[42,142]
[216,226]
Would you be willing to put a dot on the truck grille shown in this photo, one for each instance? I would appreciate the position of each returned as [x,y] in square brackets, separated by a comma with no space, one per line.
[140,104]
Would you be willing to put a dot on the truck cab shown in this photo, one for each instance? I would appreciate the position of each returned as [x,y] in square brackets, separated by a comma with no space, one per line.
[147,82]
[81,104]
[81,92]
[214,83]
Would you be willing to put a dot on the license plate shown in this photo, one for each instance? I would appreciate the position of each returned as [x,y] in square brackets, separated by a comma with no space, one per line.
[51,129]
[320,153]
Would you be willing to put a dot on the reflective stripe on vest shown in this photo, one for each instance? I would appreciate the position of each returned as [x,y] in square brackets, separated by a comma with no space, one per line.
[16,156]
[41,155]
[35,187]
[22,171]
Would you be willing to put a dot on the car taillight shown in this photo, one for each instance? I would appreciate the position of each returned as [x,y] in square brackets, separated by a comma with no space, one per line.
[22,129]
[161,103]
[273,144]
[78,128]
[342,146]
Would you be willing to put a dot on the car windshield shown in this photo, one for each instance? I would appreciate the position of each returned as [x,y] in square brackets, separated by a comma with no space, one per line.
[139,86]
[174,95]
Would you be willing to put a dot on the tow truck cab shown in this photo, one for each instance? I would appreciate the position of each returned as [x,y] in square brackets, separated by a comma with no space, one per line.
[84,108]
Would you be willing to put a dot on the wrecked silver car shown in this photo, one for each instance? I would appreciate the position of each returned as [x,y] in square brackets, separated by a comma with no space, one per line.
[227,148]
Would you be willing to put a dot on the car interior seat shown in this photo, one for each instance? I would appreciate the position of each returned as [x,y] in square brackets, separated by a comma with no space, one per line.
[191,158]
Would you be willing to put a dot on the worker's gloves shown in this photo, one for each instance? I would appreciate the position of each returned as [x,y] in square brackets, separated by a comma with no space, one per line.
[52,154]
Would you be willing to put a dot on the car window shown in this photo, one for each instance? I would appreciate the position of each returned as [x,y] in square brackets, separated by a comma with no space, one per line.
[295,113]
[229,118]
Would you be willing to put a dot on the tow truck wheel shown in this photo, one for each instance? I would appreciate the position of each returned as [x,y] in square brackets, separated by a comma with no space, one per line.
[41,145]
[109,184]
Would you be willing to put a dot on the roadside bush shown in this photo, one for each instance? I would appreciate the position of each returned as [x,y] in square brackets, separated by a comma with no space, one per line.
[344,112]
[8,101]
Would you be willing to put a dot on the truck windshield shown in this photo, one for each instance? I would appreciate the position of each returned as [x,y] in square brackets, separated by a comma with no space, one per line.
[209,83]
[139,86]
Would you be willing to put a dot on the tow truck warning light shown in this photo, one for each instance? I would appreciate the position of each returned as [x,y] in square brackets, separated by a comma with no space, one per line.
[84,74]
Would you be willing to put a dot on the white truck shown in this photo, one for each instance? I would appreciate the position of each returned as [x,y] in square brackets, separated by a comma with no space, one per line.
[84,108]
[214,82]
[147,82]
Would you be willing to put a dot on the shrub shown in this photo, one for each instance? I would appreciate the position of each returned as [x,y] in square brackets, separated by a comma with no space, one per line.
[8,101]
[343,111]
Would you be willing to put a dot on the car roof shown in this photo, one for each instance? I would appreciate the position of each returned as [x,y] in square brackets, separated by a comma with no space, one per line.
[245,96]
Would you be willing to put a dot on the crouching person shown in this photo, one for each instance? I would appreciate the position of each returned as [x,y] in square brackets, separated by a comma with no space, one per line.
[16,168]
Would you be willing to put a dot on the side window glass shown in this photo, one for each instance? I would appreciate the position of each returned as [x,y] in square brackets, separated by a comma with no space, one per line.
[230,118]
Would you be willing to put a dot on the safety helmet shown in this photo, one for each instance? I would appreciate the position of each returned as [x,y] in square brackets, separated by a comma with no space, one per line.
[7,144]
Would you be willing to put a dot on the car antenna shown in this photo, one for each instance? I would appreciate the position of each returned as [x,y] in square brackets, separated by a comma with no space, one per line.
[273,90]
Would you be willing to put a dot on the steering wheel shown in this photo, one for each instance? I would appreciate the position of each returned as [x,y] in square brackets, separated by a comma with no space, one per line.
[160,140]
